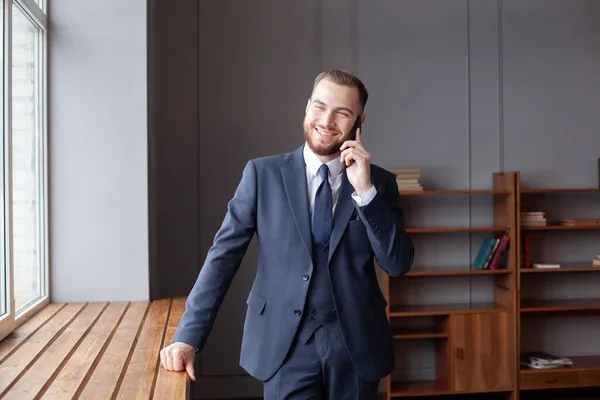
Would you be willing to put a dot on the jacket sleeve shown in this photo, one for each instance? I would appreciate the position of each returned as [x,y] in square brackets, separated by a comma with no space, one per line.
[384,219]
[222,262]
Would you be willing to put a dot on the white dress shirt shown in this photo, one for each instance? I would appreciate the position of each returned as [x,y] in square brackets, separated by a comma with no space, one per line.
[313,163]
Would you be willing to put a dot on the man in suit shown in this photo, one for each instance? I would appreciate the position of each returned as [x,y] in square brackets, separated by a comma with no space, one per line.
[316,325]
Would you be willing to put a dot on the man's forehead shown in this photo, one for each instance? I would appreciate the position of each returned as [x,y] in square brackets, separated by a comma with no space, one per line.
[330,92]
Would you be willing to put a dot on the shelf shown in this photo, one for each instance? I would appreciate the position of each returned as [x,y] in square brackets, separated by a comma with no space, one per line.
[560,305]
[585,372]
[455,272]
[418,333]
[567,190]
[444,309]
[456,230]
[580,363]
[430,388]
[419,388]
[559,227]
[452,192]
[563,268]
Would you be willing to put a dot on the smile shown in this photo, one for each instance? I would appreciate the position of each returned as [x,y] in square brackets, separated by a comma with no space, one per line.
[325,134]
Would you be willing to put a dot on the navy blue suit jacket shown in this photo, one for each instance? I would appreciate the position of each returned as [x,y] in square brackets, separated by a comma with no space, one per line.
[271,201]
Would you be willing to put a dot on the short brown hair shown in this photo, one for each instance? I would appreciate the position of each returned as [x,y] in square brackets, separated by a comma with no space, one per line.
[344,78]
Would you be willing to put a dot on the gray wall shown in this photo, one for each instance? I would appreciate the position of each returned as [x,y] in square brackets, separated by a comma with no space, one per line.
[461,89]
[98,150]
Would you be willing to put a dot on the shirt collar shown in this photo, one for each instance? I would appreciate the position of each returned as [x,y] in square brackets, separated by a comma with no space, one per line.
[313,163]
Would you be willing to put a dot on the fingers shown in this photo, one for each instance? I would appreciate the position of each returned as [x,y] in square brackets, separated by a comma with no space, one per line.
[163,360]
[347,157]
[189,368]
[352,144]
[178,358]
[348,144]
[169,362]
[354,154]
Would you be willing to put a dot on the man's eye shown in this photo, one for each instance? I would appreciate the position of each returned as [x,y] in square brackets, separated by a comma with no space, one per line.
[343,114]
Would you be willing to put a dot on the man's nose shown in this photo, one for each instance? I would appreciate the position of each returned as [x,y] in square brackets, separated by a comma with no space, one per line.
[327,119]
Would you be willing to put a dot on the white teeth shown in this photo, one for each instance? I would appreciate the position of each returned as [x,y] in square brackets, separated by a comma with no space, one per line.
[323,133]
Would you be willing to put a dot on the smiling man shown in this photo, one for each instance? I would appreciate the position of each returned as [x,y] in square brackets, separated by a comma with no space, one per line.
[315,326]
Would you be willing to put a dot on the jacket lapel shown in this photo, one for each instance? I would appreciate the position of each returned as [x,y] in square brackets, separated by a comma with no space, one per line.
[343,212]
[294,181]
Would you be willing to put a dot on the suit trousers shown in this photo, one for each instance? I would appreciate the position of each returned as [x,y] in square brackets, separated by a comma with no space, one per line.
[319,369]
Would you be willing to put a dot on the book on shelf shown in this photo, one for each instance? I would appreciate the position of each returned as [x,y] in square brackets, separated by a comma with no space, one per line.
[492,253]
[533,217]
[408,179]
[544,360]
[543,265]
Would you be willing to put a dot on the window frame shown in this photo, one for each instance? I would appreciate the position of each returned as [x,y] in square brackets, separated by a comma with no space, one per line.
[12,319]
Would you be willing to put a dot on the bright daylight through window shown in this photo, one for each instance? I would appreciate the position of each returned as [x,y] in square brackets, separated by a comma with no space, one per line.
[23,216]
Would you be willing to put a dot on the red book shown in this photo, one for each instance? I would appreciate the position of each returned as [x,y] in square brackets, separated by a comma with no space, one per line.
[526,251]
[498,255]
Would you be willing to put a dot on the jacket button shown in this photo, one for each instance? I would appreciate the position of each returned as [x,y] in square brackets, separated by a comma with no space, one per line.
[305,277]
[297,312]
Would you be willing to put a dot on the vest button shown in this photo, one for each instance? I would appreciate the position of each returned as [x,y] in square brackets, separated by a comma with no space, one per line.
[305,277]
[297,312]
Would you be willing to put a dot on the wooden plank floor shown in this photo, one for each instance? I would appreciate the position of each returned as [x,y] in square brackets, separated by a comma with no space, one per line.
[93,351]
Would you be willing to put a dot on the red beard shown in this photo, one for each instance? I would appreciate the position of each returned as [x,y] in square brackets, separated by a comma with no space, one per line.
[320,148]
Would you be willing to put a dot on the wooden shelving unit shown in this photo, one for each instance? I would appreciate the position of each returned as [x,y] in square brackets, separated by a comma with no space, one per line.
[452,272]
[559,228]
[455,192]
[585,371]
[472,342]
[458,230]
[476,346]
[564,268]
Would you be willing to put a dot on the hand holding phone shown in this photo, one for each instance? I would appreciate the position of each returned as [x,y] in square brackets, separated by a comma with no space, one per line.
[357,159]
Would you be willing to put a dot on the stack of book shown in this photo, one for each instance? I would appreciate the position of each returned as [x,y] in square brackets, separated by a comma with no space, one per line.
[596,261]
[493,253]
[408,179]
[544,360]
[533,217]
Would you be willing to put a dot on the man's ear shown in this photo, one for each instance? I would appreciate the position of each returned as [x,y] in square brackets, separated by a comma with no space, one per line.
[363,117]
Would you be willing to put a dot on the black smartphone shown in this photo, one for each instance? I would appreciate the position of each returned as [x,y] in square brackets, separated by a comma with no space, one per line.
[357,124]
[352,136]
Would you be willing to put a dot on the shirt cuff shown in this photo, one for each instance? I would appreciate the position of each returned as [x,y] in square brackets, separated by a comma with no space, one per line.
[366,198]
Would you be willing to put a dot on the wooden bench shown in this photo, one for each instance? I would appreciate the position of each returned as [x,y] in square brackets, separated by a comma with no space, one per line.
[93,351]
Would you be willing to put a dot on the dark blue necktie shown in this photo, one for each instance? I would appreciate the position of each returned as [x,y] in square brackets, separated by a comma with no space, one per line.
[322,219]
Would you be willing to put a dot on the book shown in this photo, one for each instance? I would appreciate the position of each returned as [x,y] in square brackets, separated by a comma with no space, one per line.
[541,265]
[544,360]
[485,252]
[407,179]
[499,256]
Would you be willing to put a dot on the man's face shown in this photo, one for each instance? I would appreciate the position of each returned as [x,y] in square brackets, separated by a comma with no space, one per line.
[330,115]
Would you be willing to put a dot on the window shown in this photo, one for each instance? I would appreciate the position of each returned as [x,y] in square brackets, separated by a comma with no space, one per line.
[23,204]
